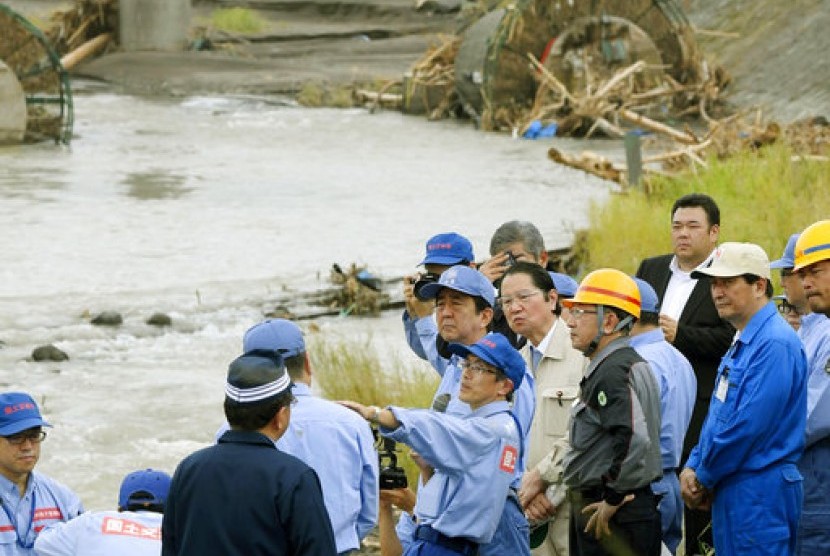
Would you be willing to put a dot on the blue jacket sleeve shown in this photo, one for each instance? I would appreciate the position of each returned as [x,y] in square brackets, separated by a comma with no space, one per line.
[421,335]
[448,442]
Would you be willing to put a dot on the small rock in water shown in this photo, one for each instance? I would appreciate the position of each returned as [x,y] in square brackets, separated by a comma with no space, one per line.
[108,318]
[159,319]
[49,353]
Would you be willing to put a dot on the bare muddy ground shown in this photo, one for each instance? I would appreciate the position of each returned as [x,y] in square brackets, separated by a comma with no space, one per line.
[776,51]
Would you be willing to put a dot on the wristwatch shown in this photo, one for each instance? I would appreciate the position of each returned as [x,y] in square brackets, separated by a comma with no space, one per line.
[375,416]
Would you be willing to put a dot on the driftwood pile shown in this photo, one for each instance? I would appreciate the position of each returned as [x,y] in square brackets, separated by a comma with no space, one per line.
[357,291]
[70,29]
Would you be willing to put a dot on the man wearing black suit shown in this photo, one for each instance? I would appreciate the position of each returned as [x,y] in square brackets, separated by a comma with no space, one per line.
[688,316]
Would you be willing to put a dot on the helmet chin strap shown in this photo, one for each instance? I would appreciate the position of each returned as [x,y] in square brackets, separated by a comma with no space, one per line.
[623,325]
[592,347]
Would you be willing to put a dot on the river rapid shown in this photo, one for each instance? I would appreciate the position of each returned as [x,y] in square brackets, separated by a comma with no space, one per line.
[209,209]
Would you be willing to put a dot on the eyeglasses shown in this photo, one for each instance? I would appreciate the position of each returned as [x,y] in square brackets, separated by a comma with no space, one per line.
[476,368]
[18,439]
[576,312]
[520,299]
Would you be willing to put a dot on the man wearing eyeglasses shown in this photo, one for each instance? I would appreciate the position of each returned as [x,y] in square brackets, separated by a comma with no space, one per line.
[30,500]
[464,311]
[530,301]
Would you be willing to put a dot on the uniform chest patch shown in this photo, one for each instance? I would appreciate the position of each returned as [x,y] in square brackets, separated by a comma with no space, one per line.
[602,399]
[507,461]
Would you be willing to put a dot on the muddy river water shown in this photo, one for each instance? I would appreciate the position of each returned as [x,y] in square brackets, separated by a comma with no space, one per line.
[208,209]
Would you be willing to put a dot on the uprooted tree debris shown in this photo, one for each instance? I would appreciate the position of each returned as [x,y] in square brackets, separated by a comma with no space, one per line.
[577,68]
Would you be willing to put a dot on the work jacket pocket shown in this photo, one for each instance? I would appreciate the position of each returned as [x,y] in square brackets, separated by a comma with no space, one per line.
[556,410]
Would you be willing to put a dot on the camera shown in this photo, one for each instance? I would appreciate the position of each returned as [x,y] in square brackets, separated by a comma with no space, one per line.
[423,280]
[391,476]
[511,260]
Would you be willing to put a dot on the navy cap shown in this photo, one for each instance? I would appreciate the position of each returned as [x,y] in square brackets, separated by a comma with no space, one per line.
[275,335]
[787,260]
[449,248]
[496,350]
[19,412]
[462,279]
[256,376]
[564,284]
[649,302]
[147,486]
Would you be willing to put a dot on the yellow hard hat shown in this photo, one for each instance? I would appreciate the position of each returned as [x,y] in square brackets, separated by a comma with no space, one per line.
[610,287]
[813,245]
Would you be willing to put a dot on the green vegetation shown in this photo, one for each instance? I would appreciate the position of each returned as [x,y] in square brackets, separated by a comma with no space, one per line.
[237,20]
[348,371]
[763,198]
[315,95]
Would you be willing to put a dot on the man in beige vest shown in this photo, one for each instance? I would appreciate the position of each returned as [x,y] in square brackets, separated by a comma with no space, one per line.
[529,300]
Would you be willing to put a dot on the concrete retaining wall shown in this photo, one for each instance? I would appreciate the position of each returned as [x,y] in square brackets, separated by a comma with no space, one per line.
[154,24]
[12,107]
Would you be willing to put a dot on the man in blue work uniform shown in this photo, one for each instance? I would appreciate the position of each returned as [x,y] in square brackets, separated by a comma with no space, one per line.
[334,441]
[814,262]
[464,311]
[614,452]
[678,385]
[474,456]
[30,500]
[243,495]
[442,252]
[744,464]
[133,530]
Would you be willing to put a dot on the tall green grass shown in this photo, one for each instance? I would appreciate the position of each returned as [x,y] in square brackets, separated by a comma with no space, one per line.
[763,199]
[354,371]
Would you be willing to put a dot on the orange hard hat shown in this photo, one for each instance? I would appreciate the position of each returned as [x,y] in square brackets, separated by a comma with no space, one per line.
[609,287]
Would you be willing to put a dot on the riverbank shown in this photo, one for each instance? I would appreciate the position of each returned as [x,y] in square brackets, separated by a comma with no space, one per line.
[774,51]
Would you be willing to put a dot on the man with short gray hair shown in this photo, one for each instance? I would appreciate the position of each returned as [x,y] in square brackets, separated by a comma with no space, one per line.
[744,465]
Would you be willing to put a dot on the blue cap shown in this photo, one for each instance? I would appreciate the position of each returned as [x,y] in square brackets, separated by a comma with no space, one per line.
[449,248]
[649,302]
[564,284]
[275,335]
[147,486]
[787,260]
[19,412]
[495,349]
[462,279]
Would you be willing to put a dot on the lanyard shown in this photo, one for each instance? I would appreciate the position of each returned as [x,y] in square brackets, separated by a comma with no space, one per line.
[13,521]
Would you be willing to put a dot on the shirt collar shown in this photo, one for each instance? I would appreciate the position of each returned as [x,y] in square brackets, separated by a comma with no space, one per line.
[674,267]
[756,323]
[245,437]
[616,344]
[543,345]
[491,409]
[650,337]
[301,389]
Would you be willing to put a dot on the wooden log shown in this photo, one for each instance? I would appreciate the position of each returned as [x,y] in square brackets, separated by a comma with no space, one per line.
[89,48]
[657,127]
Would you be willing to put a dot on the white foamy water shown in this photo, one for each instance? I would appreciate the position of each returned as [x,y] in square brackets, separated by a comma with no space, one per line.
[211,210]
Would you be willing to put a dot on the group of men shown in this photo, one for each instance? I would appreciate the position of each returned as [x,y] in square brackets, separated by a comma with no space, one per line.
[680,384]
[570,419]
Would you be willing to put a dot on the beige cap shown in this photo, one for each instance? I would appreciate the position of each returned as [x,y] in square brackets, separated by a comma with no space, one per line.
[736,259]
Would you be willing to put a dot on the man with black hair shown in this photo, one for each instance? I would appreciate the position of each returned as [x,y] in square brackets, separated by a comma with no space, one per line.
[133,530]
[688,317]
[243,495]
[744,465]
[335,442]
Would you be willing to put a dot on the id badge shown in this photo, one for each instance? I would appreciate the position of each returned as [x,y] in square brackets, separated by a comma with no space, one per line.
[723,388]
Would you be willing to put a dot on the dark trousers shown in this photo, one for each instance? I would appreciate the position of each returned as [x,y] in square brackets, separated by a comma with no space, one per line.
[635,528]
